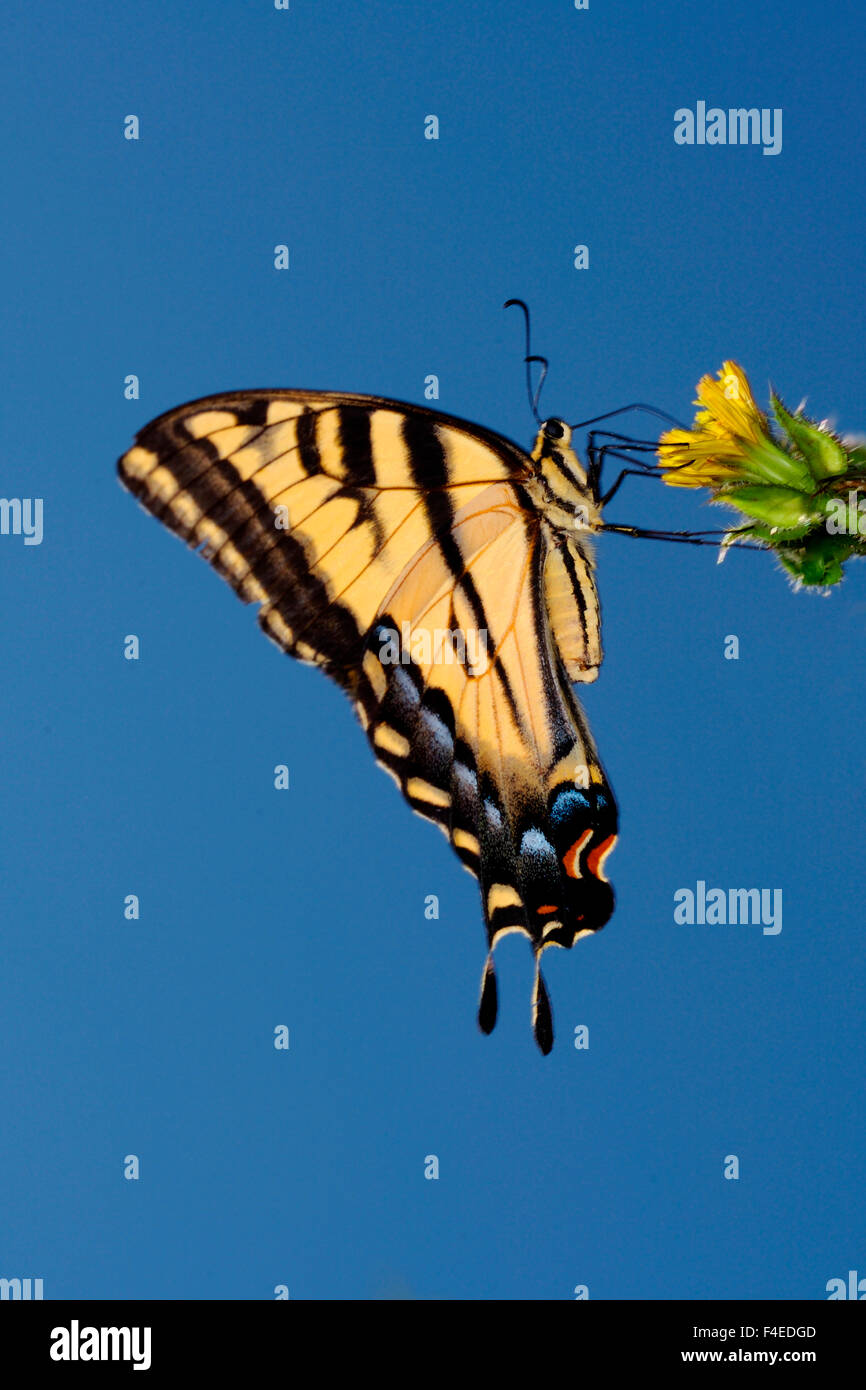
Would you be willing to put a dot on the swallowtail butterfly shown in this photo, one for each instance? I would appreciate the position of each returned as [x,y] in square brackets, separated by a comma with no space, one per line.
[367,530]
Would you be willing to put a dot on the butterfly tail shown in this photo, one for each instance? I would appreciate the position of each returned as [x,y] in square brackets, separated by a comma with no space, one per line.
[542,1016]
[488,1005]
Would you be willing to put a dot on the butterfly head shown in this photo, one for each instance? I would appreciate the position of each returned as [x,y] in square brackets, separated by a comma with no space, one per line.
[560,481]
[557,431]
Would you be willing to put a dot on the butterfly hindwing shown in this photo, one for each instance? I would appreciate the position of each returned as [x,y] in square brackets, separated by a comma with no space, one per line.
[406,553]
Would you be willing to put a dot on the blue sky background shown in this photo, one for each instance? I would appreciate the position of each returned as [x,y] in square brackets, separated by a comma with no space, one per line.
[258,1168]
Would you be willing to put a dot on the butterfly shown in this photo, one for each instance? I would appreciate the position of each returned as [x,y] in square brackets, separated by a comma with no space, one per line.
[445,579]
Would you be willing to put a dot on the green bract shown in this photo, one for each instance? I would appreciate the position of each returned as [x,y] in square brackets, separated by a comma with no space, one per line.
[784,509]
[806,508]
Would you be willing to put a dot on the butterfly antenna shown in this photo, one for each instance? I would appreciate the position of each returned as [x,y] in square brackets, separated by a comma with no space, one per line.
[529,357]
[542,1018]
[542,374]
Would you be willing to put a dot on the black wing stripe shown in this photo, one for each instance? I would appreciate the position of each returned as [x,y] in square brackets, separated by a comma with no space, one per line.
[308,448]
[275,559]
[357,446]
[430,470]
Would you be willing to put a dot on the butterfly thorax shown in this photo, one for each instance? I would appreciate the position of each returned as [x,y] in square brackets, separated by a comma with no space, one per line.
[559,486]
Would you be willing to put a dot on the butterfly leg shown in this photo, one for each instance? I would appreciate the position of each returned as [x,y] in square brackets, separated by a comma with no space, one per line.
[626,473]
[618,446]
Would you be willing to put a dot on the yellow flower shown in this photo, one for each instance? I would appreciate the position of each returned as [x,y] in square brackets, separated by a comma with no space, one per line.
[782,476]
[713,452]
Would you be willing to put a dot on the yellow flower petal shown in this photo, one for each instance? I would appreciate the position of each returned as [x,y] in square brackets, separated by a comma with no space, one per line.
[712,452]
[692,459]
[729,408]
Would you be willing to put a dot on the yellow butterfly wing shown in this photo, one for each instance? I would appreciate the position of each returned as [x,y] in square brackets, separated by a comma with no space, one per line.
[407,554]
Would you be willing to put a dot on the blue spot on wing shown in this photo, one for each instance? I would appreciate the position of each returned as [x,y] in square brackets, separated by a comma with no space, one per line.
[568,803]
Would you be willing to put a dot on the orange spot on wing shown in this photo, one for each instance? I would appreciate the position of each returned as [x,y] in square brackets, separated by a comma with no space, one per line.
[546,910]
[596,857]
[571,858]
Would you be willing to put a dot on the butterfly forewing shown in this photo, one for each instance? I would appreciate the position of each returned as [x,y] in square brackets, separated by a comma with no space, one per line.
[413,557]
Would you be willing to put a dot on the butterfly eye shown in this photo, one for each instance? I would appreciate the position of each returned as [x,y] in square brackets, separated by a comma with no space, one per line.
[555,429]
